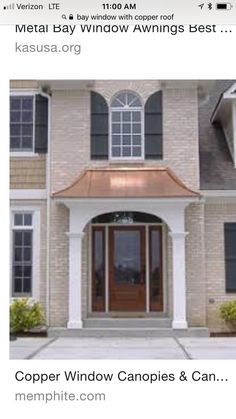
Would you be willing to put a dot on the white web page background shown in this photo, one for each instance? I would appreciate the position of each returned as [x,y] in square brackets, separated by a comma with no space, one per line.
[112,56]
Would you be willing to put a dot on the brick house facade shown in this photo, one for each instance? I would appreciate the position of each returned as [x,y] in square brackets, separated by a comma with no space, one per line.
[123,199]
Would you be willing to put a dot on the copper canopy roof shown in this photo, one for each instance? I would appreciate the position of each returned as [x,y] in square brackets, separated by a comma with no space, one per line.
[127,183]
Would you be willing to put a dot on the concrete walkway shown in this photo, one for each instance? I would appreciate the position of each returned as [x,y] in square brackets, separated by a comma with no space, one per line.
[123,348]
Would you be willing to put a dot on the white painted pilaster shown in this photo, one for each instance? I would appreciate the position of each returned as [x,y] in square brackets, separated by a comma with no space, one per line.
[75,281]
[179,281]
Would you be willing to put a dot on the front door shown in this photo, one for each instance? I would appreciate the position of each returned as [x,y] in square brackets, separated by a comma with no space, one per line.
[127,268]
[127,275]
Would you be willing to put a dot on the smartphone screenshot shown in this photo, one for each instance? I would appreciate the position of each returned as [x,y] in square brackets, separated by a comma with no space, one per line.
[118,208]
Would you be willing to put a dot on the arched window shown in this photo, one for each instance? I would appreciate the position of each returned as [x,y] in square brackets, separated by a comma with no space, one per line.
[126,126]
[130,130]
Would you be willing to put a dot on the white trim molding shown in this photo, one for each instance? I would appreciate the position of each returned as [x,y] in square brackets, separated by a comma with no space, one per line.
[22,154]
[28,194]
[179,281]
[171,211]
[219,195]
[231,92]
[225,114]
[75,280]
[234,130]
[24,92]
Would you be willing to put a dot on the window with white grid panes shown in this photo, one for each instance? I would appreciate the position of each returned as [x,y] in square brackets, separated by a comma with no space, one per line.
[22,255]
[22,123]
[126,127]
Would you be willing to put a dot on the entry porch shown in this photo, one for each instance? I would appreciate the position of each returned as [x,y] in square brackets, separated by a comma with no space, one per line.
[127,278]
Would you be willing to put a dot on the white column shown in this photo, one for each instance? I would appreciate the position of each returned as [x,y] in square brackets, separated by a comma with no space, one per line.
[179,281]
[75,281]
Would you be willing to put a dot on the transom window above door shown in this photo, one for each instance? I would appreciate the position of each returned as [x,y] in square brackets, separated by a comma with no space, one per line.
[126,126]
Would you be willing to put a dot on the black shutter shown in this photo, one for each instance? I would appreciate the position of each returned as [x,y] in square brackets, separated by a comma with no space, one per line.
[99,127]
[41,124]
[153,126]
[230,256]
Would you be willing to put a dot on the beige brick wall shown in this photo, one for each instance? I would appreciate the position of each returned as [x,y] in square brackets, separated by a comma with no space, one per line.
[180,134]
[195,265]
[59,264]
[71,126]
[28,173]
[70,154]
[216,214]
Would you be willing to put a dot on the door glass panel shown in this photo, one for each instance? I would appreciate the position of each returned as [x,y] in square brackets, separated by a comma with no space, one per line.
[98,270]
[155,268]
[99,263]
[127,257]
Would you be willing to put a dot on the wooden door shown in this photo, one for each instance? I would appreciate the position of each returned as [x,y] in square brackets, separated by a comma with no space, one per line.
[127,275]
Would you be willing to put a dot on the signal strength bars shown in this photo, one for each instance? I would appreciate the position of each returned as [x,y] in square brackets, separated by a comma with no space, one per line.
[9,7]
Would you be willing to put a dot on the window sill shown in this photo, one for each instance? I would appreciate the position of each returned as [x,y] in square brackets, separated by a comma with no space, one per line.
[126,161]
[19,297]
[23,154]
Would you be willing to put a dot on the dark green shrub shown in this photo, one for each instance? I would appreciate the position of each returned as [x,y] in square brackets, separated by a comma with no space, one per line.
[25,314]
[228,312]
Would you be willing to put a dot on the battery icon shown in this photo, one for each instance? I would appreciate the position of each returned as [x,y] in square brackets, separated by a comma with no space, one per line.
[224,6]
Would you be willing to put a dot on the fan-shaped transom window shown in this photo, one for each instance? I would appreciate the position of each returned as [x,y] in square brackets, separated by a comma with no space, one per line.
[126,126]
[126,217]
[127,100]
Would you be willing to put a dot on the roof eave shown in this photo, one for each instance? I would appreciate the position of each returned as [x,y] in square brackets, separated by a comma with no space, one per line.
[171,200]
